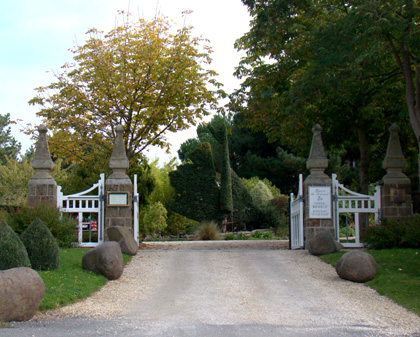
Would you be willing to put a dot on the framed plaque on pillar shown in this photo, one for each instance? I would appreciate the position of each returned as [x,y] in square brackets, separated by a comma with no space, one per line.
[117,198]
[319,202]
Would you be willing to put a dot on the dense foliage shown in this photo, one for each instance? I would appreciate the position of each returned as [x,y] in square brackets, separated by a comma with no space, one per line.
[196,192]
[153,219]
[392,233]
[13,253]
[41,246]
[61,226]
[144,75]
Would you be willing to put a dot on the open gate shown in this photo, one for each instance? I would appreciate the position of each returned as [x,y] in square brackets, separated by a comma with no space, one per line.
[350,209]
[88,207]
[296,240]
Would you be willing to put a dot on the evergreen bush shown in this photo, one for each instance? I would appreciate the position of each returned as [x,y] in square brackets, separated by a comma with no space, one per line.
[245,216]
[179,224]
[261,195]
[61,226]
[196,191]
[13,253]
[41,246]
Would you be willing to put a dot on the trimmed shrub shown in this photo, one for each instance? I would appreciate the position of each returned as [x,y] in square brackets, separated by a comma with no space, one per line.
[392,233]
[179,224]
[207,230]
[196,192]
[244,213]
[261,195]
[41,246]
[61,226]
[13,253]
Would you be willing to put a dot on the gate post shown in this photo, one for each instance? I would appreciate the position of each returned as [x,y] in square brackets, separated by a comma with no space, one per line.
[317,190]
[396,192]
[119,188]
[42,187]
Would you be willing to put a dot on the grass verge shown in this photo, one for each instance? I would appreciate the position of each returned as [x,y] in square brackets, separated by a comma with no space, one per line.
[70,282]
[398,275]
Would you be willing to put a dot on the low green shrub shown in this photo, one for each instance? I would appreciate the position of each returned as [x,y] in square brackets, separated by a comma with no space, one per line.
[13,253]
[257,234]
[229,236]
[41,246]
[347,231]
[242,236]
[62,226]
[392,233]
[179,224]
[268,235]
[207,230]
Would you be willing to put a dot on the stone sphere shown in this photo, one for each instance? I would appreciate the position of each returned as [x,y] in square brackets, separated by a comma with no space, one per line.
[357,266]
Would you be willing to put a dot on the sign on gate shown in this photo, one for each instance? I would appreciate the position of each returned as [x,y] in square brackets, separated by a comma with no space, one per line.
[319,202]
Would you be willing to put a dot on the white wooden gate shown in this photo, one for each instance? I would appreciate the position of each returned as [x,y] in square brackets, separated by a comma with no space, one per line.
[136,210]
[348,206]
[296,240]
[89,210]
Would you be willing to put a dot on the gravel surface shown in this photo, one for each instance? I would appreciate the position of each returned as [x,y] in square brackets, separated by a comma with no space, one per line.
[227,289]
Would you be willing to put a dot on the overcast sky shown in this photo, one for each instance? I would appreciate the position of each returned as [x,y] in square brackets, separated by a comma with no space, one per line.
[36,36]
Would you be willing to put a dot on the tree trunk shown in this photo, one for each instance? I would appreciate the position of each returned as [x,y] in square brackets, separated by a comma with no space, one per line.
[364,156]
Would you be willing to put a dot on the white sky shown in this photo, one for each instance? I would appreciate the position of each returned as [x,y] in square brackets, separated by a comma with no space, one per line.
[36,36]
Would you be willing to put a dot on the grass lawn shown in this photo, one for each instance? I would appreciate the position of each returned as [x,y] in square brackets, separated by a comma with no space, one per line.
[70,282]
[398,275]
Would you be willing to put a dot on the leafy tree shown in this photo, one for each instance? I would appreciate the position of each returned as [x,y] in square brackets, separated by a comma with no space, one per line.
[324,68]
[142,75]
[9,146]
[154,218]
[14,178]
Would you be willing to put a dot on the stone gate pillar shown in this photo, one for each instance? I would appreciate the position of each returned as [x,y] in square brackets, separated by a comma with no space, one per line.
[396,192]
[317,190]
[42,187]
[119,188]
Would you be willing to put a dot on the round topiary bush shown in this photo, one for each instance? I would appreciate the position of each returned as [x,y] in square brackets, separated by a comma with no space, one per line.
[41,246]
[13,253]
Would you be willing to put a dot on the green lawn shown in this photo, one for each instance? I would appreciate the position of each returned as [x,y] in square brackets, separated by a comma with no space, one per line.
[398,275]
[70,282]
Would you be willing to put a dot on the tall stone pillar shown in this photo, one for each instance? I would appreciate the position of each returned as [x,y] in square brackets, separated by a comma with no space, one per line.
[42,187]
[119,188]
[317,190]
[396,192]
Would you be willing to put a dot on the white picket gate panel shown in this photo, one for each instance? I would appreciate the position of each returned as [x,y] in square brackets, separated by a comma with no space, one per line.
[84,203]
[296,218]
[346,201]
[136,210]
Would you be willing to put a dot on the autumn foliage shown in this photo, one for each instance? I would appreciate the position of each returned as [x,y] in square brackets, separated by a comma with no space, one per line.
[145,75]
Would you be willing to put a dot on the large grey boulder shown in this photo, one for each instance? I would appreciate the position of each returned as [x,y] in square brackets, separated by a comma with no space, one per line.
[124,237]
[21,292]
[357,266]
[105,259]
[323,243]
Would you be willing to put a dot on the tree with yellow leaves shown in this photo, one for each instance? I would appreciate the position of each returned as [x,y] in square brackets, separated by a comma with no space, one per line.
[144,75]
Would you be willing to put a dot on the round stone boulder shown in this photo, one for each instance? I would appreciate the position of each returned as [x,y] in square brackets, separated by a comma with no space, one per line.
[124,237]
[357,266]
[105,259]
[21,293]
[323,243]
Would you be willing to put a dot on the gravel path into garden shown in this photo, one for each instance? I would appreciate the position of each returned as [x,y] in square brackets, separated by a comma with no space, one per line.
[226,289]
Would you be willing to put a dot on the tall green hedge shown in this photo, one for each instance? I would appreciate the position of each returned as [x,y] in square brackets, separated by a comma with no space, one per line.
[13,253]
[196,191]
[245,215]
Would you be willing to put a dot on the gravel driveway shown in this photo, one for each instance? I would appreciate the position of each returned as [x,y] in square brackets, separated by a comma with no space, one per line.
[226,289]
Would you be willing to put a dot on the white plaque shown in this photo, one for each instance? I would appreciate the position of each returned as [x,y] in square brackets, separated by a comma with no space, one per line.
[118,199]
[319,202]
